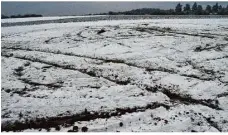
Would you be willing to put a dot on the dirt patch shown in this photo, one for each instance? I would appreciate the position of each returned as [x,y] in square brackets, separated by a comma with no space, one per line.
[18,71]
[49,40]
[212,123]
[101,31]
[217,47]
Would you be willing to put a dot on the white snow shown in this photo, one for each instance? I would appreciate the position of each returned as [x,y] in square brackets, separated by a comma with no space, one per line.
[57,70]
[13,20]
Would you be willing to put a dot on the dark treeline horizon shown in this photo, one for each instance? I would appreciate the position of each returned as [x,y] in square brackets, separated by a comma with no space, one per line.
[20,16]
[187,9]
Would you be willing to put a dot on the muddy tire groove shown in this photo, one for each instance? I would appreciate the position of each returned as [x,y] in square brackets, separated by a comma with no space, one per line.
[223,57]
[50,39]
[67,54]
[167,92]
[222,95]
[188,100]
[168,30]
[47,123]
[69,67]
[184,99]
[118,61]
[172,96]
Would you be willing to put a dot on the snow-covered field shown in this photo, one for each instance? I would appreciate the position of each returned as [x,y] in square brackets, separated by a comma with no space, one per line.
[157,75]
[13,20]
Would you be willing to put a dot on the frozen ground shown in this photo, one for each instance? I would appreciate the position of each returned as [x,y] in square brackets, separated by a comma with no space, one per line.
[12,20]
[32,19]
[92,18]
[133,75]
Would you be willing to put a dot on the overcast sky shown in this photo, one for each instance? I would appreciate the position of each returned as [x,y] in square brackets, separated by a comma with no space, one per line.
[80,8]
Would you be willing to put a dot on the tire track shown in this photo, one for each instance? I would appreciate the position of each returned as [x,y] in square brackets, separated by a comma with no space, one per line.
[68,67]
[159,29]
[50,122]
[118,61]
[184,99]
[173,96]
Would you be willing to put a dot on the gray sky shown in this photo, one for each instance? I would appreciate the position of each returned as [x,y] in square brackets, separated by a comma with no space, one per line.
[80,8]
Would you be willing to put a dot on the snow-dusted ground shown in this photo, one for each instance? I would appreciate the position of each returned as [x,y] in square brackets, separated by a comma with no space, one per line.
[12,20]
[126,75]
[92,18]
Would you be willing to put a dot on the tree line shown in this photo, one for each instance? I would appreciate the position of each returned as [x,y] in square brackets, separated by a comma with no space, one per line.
[187,9]
[198,9]
[20,16]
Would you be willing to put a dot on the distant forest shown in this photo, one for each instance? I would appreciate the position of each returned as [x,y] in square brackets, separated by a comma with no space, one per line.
[20,16]
[187,9]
